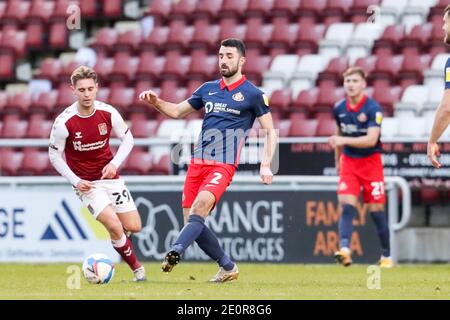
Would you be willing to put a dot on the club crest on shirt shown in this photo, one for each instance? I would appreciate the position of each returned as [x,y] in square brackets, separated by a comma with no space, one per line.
[103,129]
[362,117]
[238,97]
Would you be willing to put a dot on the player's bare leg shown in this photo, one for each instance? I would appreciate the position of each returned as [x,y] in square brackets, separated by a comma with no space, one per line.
[120,242]
[377,212]
[348,203]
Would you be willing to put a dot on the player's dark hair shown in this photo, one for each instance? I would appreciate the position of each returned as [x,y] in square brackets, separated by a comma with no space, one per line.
[447,9]
[83,72]
[236,43]
[355,70]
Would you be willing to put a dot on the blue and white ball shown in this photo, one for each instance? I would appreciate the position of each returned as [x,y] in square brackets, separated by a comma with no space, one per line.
[98,269]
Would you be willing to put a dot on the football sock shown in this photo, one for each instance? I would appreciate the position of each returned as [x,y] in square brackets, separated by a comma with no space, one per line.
[380,220]
[124,247]
[209,243]
[346,225]
[189,233]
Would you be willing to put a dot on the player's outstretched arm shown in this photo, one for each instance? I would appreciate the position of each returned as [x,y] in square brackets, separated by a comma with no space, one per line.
[172,110]
[270,146]
[441,122]
[367,141]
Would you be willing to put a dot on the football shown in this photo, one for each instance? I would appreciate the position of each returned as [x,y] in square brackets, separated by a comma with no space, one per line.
[98,269]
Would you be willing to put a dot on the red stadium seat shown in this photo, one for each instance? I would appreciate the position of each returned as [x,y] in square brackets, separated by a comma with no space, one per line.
[305,101]
[230,29]
[121,98]
[34,35]
[387,68]
[334,70]
[156,39]
[3,101]
[281,100]
[308,37]
[389,40]
[257,34]
[88,8]
[138,163]
[182,9]
[303,128]
[124,68]
[45,103]
[150,66]
[18,103]
[255,67]
[7,65]
[34,162]
[14,128]
[41,11]
[283,35]
[336,11]
[207,9]
[142,128]
[387,97]
[418,39]
[129,41]
[59,35]
[2,9]
[284,126]
[358,11]
[205,36]
[105,40]
[50,69]
[180,37]
[65,98]
[174,95]
[233,8]
[413,67]
[14,41]
[429,195]
[16,12]
[203,68]
[327,98]
[259,8]
[66,71]
[176,66]
[112,8]
[311,10]
[10,161]
[159,10]
[38,128]
[367,64]
[326,127]
[285,10]
[104,67]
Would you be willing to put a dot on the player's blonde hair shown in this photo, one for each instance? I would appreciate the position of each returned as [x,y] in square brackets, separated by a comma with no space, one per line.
[354,70]
[83,72]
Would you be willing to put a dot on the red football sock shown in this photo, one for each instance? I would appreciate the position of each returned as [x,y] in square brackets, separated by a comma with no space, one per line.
[124,247]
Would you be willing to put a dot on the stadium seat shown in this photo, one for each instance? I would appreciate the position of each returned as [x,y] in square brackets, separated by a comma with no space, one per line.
[7,65]
[150,66]
[305,74]
[138,163]
[156,39]
[104,67]
[18,103]
[303,128]
[45,103]
[389,127]
[3,101]
[284,126]
[391,10]
[205,36]
[207,9]
[413,98]
[14,128]
[124,68]
[433,76]
[179,38]
[255,67]
[336,38]
[41,11]
[38,128]
[14,41]
[10,161]
[182,9]
[50,69]
[176,67]
[112,8]
[416,13]
[59,34]
[65,98]
[326,127]
[336,11]
[34,162]
[16,12]
[334,71]
[129,41]
[203,68]
[121,98]
[311,10]
[327,98]
[367,64]
[413,66]
[257,35]
[280,100]
[305,101]
[285,9]
[283,36]
[387,97]
[161,166]
[105,40]
[88,8]
[387,68]
[159,10]
[142,128]
[417,40]
[308,37]
[361,42]
[389,41]
[259,8]
[34,35]
[359,10]
[230,29]
[233,8]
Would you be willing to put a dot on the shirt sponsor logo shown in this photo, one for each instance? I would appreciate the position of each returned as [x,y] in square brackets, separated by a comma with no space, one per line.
[78,135]
[378,118]
[89,146]
[238,97]
[103,129]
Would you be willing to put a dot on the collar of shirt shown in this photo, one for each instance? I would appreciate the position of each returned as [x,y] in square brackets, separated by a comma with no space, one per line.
[232,86]
[358,106]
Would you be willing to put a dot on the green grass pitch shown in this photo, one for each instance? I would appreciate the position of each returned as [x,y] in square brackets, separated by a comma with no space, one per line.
[256,281]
